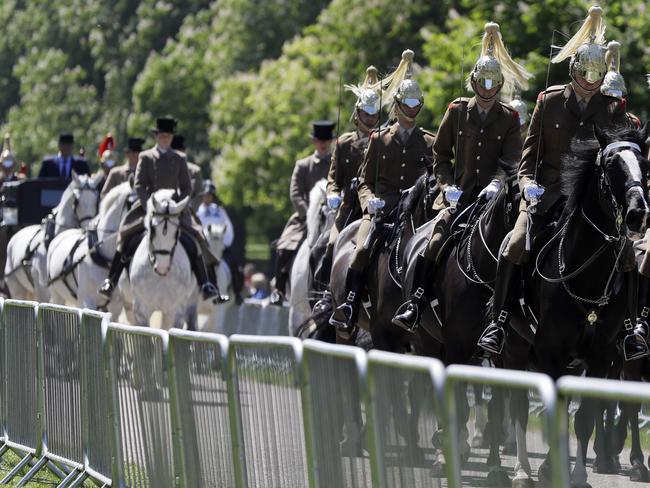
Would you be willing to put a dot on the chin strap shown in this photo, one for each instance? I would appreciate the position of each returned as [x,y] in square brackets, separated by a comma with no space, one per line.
[402,115]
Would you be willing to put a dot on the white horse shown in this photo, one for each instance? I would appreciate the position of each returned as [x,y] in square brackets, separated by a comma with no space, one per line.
[160,275]
[85,271]
[26,267]
[319,221]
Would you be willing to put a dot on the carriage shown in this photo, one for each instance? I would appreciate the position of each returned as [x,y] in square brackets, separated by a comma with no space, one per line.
[26,202]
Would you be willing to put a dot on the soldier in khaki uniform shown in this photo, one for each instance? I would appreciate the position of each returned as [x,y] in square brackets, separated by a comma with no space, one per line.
[120,174]
[562,113]
[395,159]
[348,155]
[306,173]
[476,139]
[158,168]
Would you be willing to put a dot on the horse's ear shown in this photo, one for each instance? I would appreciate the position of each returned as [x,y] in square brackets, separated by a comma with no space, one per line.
[180,206]
[601,136]
[96,179]
[75,176]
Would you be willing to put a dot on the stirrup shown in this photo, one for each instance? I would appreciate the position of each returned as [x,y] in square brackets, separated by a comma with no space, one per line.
[403,309]
[635,340]
[348,311]
[490,341]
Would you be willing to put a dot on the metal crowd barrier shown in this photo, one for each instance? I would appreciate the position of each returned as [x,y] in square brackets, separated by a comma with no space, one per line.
[268,413]
[199,364]
[405,394]
[141,420]
[23,401]
[253,317]
[137,407]
[95,397]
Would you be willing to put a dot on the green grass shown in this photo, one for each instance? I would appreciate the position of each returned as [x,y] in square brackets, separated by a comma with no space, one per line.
[43,479]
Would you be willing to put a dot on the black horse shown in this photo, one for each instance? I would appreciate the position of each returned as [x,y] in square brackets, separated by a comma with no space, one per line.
[576,282]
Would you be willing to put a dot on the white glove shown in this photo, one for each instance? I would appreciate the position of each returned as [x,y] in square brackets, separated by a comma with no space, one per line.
[452,195]
[533,192]
[333,201]
[375,204]
[489,191]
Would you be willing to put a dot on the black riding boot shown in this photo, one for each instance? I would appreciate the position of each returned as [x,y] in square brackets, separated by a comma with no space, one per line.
[494,335]
[117,266]
[409,313]
[634,342]
[344,317]
[323,276]
[212,278]
[282,269]
[208,288]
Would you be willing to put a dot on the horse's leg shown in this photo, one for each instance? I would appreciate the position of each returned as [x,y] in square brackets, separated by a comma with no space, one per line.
[638,472]
[519,405]
[497,475]
[480,419]
[584,425]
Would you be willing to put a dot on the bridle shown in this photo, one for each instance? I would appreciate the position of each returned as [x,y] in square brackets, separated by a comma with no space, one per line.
[168,220]
[615,241]
[76,193]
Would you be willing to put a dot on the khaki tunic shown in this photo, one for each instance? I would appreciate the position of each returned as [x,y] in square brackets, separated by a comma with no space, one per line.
[484,147]
[306,173]
[400,165]
[346,160]
[117,176]
[557,119]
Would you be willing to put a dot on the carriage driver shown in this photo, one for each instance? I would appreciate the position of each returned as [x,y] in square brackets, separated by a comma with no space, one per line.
[481,135]
[562,113]
[347,157]
[396,157]
[161,167]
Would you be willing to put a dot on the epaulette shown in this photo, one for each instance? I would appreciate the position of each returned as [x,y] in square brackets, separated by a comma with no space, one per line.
[509,109]
[458,101]
[550,89]
[346,136]
[427,132]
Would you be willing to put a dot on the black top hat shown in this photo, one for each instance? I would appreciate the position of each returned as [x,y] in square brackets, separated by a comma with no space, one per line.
[66,138]
[178,142]
[323,130]
[165,124]
[135,144]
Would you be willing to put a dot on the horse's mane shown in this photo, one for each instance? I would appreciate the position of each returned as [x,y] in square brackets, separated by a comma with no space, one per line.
[112,198]
[410,203]
[315,202]
[579,163]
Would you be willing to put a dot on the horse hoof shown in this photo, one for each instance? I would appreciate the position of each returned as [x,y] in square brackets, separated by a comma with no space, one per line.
[638,472]
[544,474]
[605,466]
[438,439]
[497,477]
[509,449]
[523,483]
[351,449]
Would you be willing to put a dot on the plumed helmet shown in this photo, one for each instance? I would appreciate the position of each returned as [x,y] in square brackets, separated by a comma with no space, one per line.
[519,105]
[586,49]
[614,83]
[495,68]
[367,96]
[6,156]
[109,158]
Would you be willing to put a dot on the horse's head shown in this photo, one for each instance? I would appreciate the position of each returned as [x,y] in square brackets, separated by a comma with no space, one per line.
[625,172]
[162,224]
[215,234]
[83,195]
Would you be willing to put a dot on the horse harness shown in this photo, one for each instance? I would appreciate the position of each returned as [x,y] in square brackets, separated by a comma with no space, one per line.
[617,241]
[166,218]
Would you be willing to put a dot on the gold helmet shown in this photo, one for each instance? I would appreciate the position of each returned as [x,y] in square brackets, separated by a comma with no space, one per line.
[401,88]
[586,49]
[367,97]
[614,83]
[6,156]
[495,67]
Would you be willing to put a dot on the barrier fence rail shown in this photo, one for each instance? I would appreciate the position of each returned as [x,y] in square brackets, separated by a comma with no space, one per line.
[137,407]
